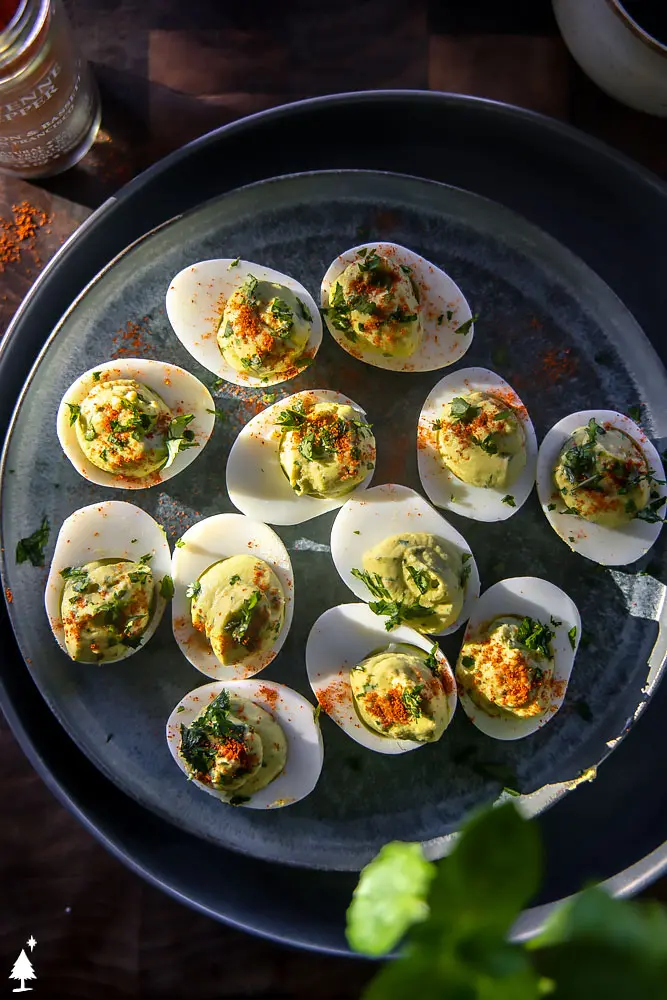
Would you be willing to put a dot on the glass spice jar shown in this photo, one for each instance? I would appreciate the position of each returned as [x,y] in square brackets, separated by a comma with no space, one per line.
[49,104]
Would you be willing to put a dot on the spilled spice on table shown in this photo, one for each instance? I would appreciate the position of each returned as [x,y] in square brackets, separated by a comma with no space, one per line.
[18,235]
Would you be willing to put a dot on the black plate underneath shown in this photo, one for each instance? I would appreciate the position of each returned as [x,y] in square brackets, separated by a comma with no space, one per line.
[604,208]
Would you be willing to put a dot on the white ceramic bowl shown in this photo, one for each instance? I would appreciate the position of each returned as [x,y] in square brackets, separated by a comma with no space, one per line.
[615,52]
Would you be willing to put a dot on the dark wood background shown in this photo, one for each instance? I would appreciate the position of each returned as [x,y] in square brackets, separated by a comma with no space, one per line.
[168,72]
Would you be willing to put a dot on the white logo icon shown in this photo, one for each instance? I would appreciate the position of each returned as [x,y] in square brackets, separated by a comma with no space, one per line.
[23,968]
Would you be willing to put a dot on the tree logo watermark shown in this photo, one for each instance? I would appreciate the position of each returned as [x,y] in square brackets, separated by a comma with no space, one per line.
[23,969]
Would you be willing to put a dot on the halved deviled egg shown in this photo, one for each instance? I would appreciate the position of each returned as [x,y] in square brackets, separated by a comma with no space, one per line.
[389,307]
[390,693]
[133,423]
[250,743]
[396,552]
[602,487]
[249,324]
[108,582]
[233,595]
[301,457]
[517,656]
[476,446]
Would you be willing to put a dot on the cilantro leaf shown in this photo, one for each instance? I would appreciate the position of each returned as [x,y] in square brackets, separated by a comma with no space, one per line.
[390,897]
[31,549]
[464,328]
[373,581]
[74,411]
[572,636]
[509,500]
[234,263]
[240,621]
[290,419]
[167,587]
[461,410]
[179,437]
[421,579]
[398,612]
[535,636]
[304,311]
[431,660]
[193,589]
[249,288]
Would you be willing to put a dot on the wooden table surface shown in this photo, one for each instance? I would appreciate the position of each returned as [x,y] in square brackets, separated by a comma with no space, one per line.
[169,72]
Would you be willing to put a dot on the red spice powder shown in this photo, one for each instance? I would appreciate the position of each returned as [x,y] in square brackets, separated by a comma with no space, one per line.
[9,595]
[336,694]
[388,708]
[557,364]
[270,695]
[133,340]
[19,233]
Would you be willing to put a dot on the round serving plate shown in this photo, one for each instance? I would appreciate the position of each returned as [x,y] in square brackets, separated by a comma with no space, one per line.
[580,318]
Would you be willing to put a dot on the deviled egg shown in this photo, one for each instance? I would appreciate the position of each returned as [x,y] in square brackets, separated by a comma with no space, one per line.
[476,446]
[250,743]
[389,693]
[247,323]
[601,484]
[233,595]
[108,582]
[389,307]
[133,423]
[301,457]
[517,656]
[396,552]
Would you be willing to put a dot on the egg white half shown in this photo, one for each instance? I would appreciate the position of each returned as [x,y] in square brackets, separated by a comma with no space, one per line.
[440,298]
[536,598]
[607,546]
[182,393]
[255,481]
[387,510]
[204,544]
[339,640]
[295,716]
[111,529]
[442,487]
[195,302]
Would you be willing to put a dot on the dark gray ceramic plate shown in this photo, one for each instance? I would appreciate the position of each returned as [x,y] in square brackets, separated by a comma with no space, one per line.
[537,304]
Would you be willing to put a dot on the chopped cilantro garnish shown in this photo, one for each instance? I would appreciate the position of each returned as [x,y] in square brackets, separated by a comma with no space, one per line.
[421,579]
[179,437]
[461,410]
[234,263]
[74,411]
[167,587]
[193,589]
[248,288]
[465,327]
[509,500]
[572,636]
[533,635]
[240,621]
[467,661]
[304,311]
[31,549]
